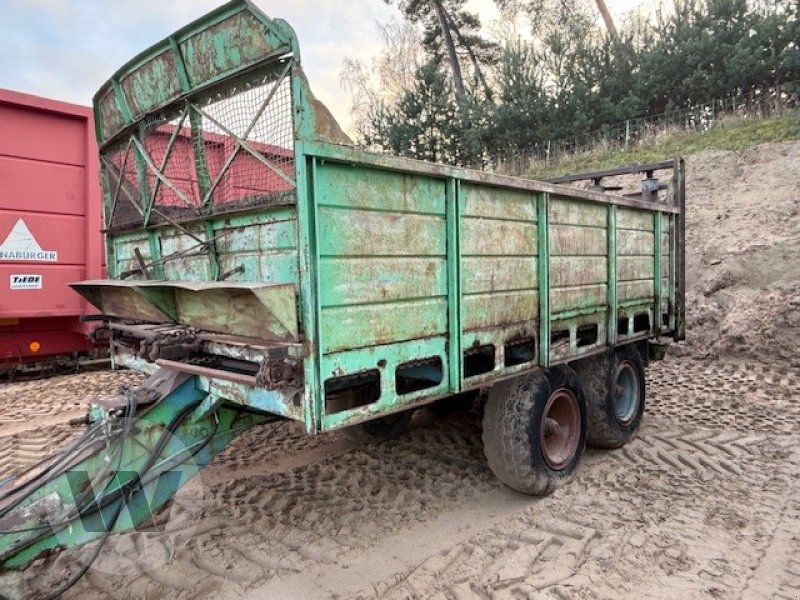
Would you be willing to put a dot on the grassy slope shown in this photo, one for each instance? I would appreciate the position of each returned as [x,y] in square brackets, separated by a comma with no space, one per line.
[733,135]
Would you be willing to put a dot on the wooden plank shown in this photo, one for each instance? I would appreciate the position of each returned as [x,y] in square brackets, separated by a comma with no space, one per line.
[631,268]
[489,237]
[486,274]
[361,187]
[565,211]
[634,243]
[631,218]
[266,236]
[634,290]
[577,270]
[574,240]
[491,309]
[577,298]
[346,327]
[362,280]
[272,267]
[363,233]
[493,202]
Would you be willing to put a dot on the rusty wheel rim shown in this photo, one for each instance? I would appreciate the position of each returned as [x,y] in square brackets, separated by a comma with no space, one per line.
[626,393]
[560,429]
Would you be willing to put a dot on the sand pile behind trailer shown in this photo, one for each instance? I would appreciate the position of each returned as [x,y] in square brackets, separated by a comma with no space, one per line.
[742,252]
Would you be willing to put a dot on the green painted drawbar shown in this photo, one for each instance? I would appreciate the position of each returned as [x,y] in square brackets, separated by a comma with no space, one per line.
[249,244]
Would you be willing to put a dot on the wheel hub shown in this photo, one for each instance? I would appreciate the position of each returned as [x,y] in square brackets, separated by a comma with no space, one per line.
[626,393]
[560,428]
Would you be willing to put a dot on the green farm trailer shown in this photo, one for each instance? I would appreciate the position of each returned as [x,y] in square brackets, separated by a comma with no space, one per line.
[261,268]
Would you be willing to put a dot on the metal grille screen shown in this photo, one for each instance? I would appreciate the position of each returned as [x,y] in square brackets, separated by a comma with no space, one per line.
[228,153]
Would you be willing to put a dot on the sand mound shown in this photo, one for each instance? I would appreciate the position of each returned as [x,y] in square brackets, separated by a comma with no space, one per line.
[743,252]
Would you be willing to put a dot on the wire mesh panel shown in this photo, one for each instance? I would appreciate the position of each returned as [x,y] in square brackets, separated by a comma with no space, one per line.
[232,151]
[124,209]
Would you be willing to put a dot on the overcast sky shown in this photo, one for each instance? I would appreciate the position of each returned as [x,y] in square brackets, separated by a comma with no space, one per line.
[65,49]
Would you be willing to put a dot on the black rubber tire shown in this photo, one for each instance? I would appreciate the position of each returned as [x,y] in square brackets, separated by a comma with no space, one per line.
[452,404]
[598,377]
[379,430]
[512,423]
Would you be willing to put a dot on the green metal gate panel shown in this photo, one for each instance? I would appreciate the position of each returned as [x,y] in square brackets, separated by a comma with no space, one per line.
[383,253]
[383,282]
[578,275]
[636,264]
[255,248]
[499,274]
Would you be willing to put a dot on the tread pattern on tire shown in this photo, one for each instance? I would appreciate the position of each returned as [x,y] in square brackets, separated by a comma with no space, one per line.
[510,437]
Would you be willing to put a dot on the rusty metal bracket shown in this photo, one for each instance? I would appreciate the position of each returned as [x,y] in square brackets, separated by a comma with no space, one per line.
[280,370]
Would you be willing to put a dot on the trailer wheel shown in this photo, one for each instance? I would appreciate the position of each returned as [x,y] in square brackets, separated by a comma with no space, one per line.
[534,430]
[615,393]
[379,430]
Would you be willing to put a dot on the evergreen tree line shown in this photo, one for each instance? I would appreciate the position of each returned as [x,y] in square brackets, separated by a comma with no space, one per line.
[556,72]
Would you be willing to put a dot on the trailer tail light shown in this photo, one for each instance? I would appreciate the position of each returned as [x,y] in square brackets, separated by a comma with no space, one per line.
[34,346]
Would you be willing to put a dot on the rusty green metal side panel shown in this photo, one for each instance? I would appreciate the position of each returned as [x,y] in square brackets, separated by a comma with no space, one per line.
[382,279]
[499,298]
[259,247]
[499,269]
[382,257]
[385,359]
[578,275]
[262,311]
[636,256]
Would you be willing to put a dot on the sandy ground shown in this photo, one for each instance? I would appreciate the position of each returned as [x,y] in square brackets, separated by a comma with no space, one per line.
[705,503]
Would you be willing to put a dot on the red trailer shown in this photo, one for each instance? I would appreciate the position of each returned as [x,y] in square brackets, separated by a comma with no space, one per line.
[50,227]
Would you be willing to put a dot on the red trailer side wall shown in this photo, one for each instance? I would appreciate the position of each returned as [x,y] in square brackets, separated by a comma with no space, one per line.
[50,222]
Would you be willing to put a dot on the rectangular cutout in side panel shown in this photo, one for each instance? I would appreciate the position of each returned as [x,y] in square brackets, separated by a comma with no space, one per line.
[622,325]
[478,360]
[641,322]
[586,335]
[352,391]
[418,375]
[519,352]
